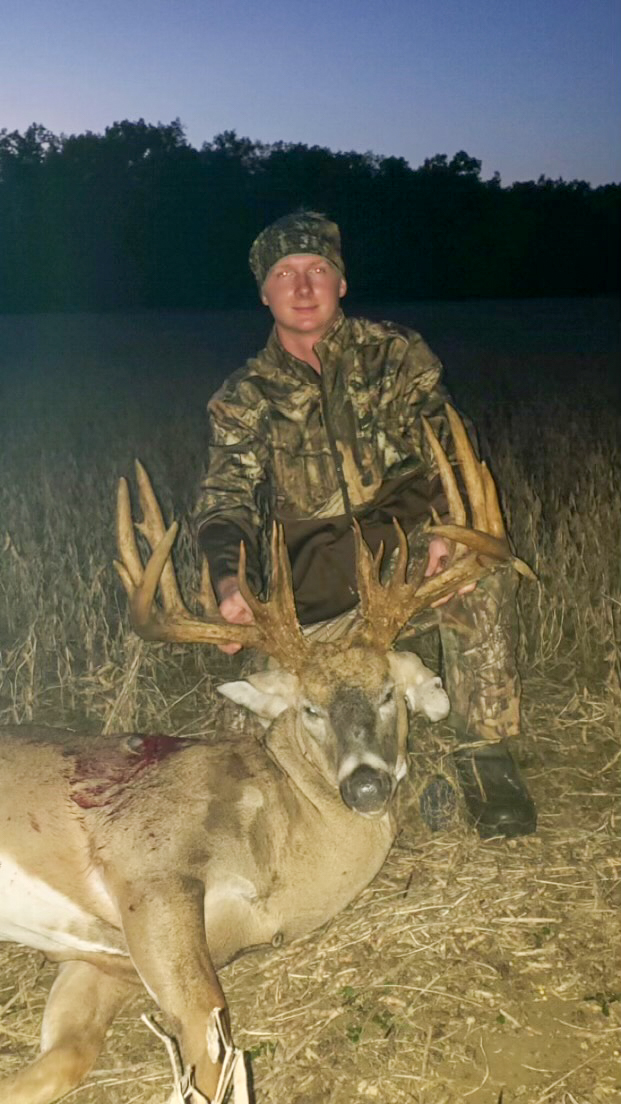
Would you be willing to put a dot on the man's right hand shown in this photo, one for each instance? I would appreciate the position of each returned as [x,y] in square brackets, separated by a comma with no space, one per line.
[234,608]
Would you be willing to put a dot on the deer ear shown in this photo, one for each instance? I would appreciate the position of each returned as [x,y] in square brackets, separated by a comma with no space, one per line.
[430,698]
[267,693]
[421,689]
[408,670]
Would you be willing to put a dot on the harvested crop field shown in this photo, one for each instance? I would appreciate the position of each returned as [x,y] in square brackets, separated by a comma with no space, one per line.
[469,971]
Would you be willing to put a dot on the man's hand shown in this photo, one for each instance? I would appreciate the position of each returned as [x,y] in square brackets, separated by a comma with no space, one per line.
[438,560]
[234,608]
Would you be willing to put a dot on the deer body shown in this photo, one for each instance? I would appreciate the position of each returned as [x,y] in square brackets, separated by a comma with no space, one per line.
[159,859]
[259,848]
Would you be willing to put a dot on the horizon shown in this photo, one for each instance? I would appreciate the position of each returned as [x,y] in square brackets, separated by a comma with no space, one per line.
[198,145]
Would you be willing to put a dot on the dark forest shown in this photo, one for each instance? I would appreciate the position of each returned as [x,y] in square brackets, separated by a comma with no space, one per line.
[138,218]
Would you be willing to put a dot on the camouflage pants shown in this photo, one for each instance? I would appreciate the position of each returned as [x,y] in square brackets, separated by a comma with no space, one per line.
[478,635]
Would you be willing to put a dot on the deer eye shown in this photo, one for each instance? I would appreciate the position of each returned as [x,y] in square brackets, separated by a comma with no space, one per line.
[388,696]
[310,712]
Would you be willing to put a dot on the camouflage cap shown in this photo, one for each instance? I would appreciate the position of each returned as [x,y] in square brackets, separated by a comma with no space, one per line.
[300,232]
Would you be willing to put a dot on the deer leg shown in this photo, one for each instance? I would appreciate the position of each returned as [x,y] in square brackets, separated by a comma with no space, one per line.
[82,1003]
[164,927]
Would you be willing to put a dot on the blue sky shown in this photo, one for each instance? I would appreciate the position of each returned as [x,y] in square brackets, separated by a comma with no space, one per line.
[527,86]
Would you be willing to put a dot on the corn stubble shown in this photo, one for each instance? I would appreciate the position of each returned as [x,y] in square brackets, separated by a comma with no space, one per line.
[66,646]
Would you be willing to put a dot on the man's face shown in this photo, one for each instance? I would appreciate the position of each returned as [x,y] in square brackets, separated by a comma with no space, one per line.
[303,292]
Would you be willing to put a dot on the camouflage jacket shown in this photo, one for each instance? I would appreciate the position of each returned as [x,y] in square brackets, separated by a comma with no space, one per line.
[314,450]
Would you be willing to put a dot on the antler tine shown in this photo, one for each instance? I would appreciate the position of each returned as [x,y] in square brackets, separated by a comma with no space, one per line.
[275,620]
[172,621]
[206,596]
[471,469]
[379,603]
[140,584]
[152,527]
[282,584]
[142,596]
[400,570]
[367,572]
[275,629]
[130,566]
[368,566]
[488,537]
[457,510]
[386,608]
[495,523]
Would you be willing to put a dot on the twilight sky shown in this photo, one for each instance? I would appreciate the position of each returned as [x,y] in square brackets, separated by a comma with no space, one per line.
[527,86]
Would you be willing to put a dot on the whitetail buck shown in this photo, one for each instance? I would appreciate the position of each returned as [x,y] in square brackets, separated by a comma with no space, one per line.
[154,859]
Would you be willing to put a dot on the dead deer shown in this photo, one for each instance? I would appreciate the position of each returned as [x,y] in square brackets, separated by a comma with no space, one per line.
[154,859]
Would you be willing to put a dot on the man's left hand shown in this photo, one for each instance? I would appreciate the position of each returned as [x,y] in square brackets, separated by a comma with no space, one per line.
[438,560]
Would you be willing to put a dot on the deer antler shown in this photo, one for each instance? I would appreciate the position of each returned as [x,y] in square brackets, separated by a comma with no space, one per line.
[275,628]
[386,607]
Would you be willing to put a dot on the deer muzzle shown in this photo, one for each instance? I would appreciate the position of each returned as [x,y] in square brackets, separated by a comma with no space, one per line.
[367,790]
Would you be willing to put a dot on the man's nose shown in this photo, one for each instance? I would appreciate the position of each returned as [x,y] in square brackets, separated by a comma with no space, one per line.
[302,284]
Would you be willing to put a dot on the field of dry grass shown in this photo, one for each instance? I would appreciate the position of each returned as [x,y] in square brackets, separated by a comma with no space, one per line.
[467,968]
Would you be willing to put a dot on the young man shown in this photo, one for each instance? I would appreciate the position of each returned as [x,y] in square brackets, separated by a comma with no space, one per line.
[324,426]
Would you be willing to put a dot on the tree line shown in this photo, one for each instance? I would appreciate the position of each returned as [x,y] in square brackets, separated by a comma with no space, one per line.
[136,217]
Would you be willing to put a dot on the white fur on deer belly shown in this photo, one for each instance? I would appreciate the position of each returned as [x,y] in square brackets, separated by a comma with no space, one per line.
[35,914]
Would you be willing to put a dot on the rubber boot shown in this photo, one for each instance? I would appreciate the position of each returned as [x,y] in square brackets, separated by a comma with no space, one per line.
[495,794]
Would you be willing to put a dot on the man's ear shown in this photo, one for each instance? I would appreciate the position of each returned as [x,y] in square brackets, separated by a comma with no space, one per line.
[266,693]
[342,287]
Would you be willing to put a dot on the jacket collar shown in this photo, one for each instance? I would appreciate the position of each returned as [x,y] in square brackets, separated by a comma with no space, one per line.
[337,334]
[343,332]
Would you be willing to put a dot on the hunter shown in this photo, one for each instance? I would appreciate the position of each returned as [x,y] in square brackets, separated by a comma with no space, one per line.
[323,426]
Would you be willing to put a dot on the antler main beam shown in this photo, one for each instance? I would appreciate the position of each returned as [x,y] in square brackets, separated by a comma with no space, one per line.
[275,628]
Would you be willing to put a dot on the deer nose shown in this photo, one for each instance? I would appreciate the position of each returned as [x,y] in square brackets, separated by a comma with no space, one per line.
[366,790]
